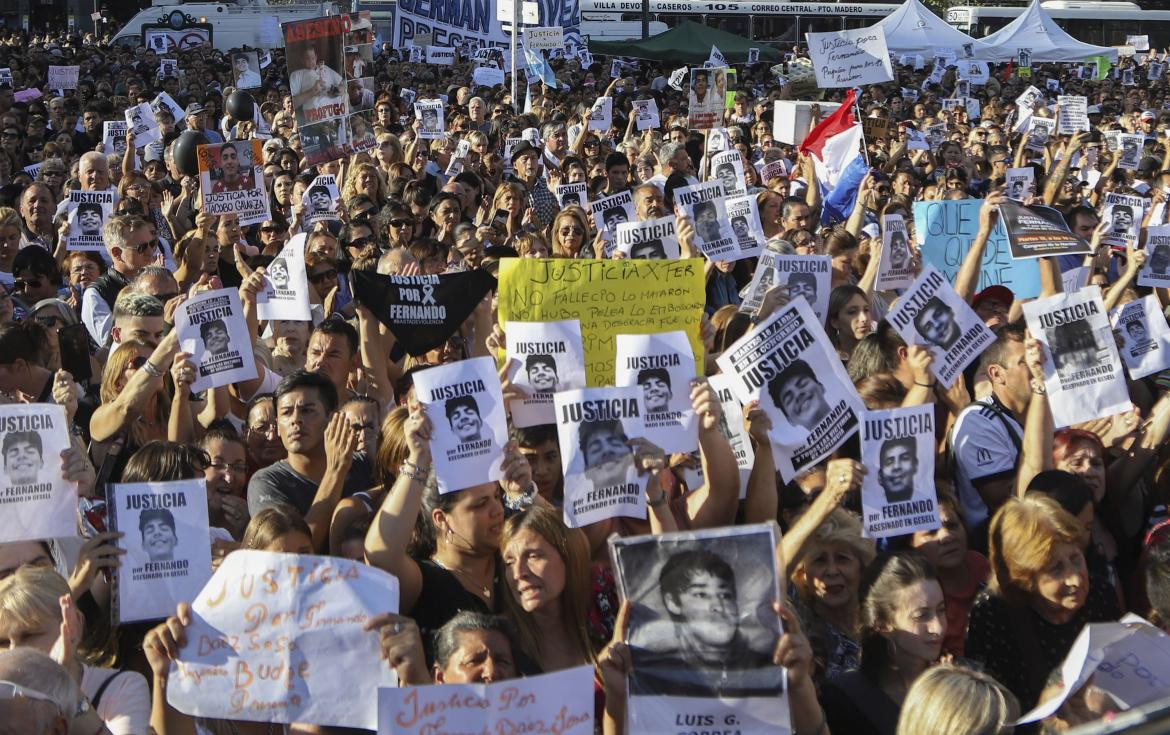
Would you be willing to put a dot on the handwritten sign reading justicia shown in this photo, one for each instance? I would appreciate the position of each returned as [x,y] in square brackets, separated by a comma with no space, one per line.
[560,703]
[278,638]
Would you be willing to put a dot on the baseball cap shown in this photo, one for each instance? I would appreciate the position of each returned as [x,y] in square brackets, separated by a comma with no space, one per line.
[998,292]
[193,109]
[1148,115]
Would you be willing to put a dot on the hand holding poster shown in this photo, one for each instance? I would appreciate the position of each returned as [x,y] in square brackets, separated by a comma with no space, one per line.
[733,679]
[468,426]
[706,205]
[212,328]
[114,137]
[646,114]
[429,113]
[1021,183]
[663,366]
[231,180]
[594,429]
[851,58]
[1082,370]
[930,313]
[789,365]
[546,357]
[898,494]
[286,290]
[1156,271]
[37,501]
[88,212]
[1130,154]
[299,620]
[608,212]
[63,77]
[649,240]
[1142,324]
[1040,131]
[168,559]
[896,268]
[601,114]
[1038,231]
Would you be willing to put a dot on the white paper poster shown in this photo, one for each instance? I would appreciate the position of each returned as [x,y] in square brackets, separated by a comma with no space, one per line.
[898,494]
[809,277]
[609,212]
[63,77]
[744,216]
[731,426]
[1040,131]
[466,407]
[896,269]
[1124,214]
[1156,271]
[114,137]
[601,114]
[851,58]
[37,501]
[213,329]
[88,212]
[573,194]
[1021,183]
[646,114]
[650,240]
[1142,325]
[727,168]
[549,357]
[168,559]
[1072,114]
[1082,370]
[706,205]
[269,634]
[429,113]
[286,290]
[663,366]
[1130,153]
[140,119]
[544,39]
[322,200]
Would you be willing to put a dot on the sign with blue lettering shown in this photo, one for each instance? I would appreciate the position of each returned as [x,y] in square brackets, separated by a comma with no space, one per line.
[451,23]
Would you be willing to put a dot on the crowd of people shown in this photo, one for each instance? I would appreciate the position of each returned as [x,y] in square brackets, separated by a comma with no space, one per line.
[960,629]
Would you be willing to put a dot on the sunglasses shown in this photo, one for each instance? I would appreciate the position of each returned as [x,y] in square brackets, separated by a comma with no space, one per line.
[269,228]
[323,276]
[360,242]
[146,247]
[401,223]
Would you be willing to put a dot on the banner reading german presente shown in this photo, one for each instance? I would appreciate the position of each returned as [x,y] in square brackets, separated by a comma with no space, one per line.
[212,328]
[88,212]
[807,276]
[1039,231]
[789,365]
[608,297]
[898,494]
[1142,325]
[896,268]
[231,180]
[35,499]
[930,313]
[1156,271]
[704,204]
[168,559]
[663,367]
[650,240]
[594,428]
[547,357]
[1123,215]
[1082,370]
[454,24]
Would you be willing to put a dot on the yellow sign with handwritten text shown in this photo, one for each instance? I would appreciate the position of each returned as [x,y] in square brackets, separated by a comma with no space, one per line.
[608,297]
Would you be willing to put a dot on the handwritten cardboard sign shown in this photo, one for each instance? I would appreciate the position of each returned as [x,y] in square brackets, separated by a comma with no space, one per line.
[278,638]
[852,58]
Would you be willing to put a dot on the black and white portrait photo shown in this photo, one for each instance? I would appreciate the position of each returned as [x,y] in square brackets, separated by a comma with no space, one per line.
[936,324]
[542,373]
[89,219]
[1074,348]
[899,464]
[278,274]
[655,384]
[463,417]
[606,450]
[24,457]
[548,357]
[900,496]
[215,336]
[157,529]
[648,250]
[797,393]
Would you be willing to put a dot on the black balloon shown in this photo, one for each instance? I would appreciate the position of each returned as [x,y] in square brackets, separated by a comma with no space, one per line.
[186,152]
[241,106]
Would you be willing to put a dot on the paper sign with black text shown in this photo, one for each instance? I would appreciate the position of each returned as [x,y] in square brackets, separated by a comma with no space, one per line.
[1142,324]
[1130,150]
[140,119]
[744,215]
[1040,131]
[573,194]
[286,285]
[544,39]
[706,205]
[231,180]
[609,212]
[1038,231]
[649,240]
[1072,114]
[898,494]
[213,329]
[322,200]
[429,113]
[440,55]
[727,168]
[470,428]
[547,357]
[1156,271]
[114,137]
[1123,213]
[646,114]
[1021,183]
[662,366]
[63,77]
[37,502]
[601,114]
[88,212]
[809,277]
[896,269]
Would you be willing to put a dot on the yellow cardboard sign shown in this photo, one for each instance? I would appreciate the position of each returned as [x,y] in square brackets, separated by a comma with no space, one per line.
[608,297]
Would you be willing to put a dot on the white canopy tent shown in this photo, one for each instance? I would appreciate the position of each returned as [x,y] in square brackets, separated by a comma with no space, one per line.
[1035,30]
[914,29]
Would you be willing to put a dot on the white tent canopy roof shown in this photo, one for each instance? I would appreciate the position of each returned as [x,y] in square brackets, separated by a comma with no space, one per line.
[914,29]
[1034,29]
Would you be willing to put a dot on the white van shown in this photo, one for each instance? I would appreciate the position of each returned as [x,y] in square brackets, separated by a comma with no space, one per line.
[168,25]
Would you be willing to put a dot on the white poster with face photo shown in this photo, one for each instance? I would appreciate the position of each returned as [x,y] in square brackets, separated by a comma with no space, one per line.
[706,97]
[898,495]
[168,558]
[1142,325]
[727,168]
[601,114]
[286,285]
[231,180]
[88,212]
[1040,131]
[650,240]
[1123,213]
[1082,370]
[36,500]
[731,426]
[809,277]
[213,329]
[695,660]
[594,429]
[1021,183]
[322,200]
[662,365]
[744,216]
[246,69]
[611,211]
[1156,271]
[431,124]
[896,268]
[546,357]
[1130,150]
[706,205]
[470,428]
[788,364]
[140,119]
[930,313]
[114,137]
[573,194]
[646,114]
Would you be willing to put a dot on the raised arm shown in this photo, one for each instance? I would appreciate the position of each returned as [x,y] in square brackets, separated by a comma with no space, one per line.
[967,279]
[762,503]
[340,444]
[714,504]
[110,418]
[1036,449]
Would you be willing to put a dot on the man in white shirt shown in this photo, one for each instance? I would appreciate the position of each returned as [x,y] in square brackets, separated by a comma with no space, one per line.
[315,84]
[245,77]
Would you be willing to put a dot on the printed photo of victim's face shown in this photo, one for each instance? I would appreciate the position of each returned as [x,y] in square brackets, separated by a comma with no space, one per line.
[464,420]
[159,540]
[542,374]
[320,200]
[23,461]
[215,337]
[708,609]
[655,390]
[899,463]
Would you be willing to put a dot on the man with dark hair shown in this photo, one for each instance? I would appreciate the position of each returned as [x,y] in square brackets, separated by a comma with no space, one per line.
[656,390]
[707,222]
[617,173]
[320,199]
[741,229]
[464,419]
[803,284]
[157,526]
[727,175]
[795,214]
[89,219]
[277,272]
[899,251]
[897,465]
[1138,338]
[799,395]
[709,656]
[542,373]
[1074,348]
[1120,220]
[540,447]
[334,351]
[935,323]
[648,250]
[606,451]
[232,177]
[23,457]
[215,337]
[1160,259]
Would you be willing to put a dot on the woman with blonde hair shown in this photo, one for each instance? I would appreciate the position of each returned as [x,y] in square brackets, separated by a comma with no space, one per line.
[1040,595]
[955,700]
[568,232]
[511,198]
[531,245]
[364,179]
[546,566]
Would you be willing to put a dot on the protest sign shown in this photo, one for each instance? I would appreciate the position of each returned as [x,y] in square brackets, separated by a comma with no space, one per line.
[246,69]
[788,364]
[676,78]
[744,215]
[727,168]
[88,212]
[808,277]
[609,297]
[487,76]
[601,114]
[63,77]
[268,633]
[213,329]
[38,503]
[167,558]
[1082,370]
[1124,214]
[1040,131]
[469,424]
[898,494]
[163,101]
[1072,114]
[422,311]
[440,55]
[716,141]
[705,204]
[1139,42]
[140,119]
[930,313]
[560,702]
[972,71]
[1074,279]
[544,39]
[1038,231]
[1142,324]
[763,279]
[315,52]
[1021,183]
[945,231]
[650,240]
[322,200]
[663,366]
[429,113]
[1156,271]
[608,212]
[1130,150]
[594,426]
[546,357]
[896,267]
[708,87]
[114,137]
[792,120]
[875,128]
[573,194]
[231,180]
[286,285]
[646,114]
[1028,97]
[851,58]
[6,75]
[733,680]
